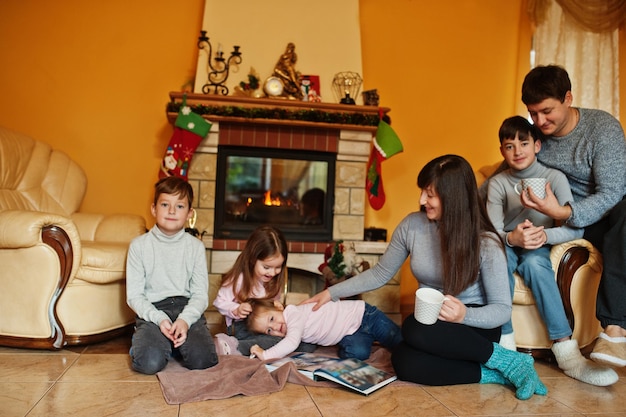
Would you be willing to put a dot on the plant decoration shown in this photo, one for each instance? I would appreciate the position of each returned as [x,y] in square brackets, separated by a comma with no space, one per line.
[249,89]
[307,115]
[336,262]
[341,262]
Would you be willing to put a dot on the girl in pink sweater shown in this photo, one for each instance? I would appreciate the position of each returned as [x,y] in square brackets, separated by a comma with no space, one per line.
[259,272]
[353,325]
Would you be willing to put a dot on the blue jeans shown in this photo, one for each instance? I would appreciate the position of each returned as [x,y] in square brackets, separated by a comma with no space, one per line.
[150,349]
[535,267]
[376,326]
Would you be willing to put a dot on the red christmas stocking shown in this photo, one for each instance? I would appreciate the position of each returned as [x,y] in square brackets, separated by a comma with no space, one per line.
[374,180]
[189,130]
[386,144]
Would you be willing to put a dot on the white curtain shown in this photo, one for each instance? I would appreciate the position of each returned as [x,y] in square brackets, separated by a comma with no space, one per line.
[582,37]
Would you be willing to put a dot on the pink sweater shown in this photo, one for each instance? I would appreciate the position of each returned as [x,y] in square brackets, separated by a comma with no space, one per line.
[225,300]
[325,327]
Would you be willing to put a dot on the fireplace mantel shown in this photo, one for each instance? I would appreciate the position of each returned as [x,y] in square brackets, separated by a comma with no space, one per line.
[359,118]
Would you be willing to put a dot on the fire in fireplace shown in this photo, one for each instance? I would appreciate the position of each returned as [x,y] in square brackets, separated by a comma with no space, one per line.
[290,189]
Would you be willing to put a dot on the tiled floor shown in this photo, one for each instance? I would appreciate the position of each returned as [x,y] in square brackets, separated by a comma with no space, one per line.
[97,381]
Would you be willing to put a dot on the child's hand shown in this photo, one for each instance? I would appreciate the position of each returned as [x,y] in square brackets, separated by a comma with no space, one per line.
[176,332]
[526,235]
[257,352]
[166,327]
[244,310]
[179,332]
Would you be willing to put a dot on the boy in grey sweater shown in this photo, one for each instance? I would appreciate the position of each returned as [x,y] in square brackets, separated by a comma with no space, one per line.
[529,236]
[167,286]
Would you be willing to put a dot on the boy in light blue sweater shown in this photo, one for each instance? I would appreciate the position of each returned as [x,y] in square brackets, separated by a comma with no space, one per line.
[167,286]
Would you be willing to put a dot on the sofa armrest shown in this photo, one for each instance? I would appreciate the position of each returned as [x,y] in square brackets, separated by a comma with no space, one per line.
[109,228]
[578,267]
[23,234]
[23,229]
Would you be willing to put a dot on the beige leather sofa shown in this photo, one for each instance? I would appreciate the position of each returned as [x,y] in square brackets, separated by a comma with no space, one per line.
[62,272]
[578,267]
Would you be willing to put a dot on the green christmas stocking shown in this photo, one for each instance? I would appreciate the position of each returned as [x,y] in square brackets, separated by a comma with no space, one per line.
[386,144]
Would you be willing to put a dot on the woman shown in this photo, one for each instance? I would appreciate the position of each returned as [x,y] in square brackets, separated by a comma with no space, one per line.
[453,248]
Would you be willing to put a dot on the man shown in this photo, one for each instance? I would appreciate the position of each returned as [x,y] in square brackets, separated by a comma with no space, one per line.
[588,146]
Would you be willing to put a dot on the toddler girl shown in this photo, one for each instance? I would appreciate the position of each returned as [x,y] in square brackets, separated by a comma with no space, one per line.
[351,324]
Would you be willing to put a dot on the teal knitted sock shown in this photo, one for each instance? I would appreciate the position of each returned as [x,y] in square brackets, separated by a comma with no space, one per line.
[492,376]
[519,369]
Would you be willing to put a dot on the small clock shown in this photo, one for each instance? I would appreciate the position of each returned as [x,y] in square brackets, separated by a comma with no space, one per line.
[273,87]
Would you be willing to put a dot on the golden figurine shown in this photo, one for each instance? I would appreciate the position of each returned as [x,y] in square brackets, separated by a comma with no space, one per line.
[286,72]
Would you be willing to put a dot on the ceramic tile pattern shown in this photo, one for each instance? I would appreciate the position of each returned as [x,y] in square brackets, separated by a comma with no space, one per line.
[96,380]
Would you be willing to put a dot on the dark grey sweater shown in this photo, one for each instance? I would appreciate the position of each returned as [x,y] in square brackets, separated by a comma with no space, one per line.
[593,157]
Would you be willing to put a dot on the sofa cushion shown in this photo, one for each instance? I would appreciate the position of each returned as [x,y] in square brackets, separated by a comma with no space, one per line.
[522,294]
[36,177]
[102,262]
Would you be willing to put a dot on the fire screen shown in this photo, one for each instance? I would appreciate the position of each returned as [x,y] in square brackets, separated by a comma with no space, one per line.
[290,189]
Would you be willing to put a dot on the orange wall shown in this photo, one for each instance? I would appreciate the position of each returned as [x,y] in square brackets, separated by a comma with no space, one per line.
[449,80]
[92,79]
[450,71]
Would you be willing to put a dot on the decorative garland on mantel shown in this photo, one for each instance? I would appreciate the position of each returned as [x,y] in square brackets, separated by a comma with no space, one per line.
[306,115]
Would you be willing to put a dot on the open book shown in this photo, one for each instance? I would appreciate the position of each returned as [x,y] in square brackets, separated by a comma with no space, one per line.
[351,373]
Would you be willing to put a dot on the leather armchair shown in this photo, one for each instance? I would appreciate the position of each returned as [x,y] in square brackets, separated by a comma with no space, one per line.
[63,272]
[578,268]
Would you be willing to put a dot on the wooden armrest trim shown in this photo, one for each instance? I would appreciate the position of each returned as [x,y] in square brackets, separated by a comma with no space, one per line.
[572,259]
[59,241]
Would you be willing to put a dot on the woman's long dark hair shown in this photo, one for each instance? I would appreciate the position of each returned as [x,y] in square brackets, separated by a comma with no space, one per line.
[464,220]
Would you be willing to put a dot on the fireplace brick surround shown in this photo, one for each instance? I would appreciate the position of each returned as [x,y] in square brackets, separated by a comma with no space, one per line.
[351,143]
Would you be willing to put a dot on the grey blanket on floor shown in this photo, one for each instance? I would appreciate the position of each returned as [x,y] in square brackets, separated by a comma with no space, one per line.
[240,375]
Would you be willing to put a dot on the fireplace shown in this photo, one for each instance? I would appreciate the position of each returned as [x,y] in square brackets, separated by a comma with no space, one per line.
[288,188]
[269,130]
[330,143]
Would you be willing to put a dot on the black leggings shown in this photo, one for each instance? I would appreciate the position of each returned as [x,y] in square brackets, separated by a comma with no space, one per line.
[442,353]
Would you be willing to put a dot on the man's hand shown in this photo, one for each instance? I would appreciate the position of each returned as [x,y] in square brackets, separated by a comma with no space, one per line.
[527,236]
[319,299]
[549,206]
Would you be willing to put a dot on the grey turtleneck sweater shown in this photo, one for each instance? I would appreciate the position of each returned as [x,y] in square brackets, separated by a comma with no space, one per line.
[161,266]
[506,210]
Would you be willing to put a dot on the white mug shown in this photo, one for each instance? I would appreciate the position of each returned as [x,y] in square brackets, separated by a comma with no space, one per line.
[428,302]
[538,186]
